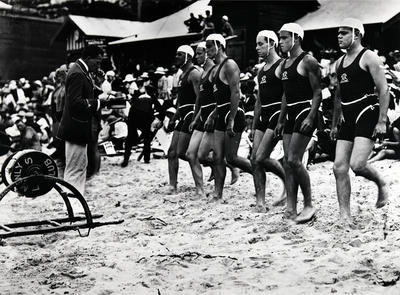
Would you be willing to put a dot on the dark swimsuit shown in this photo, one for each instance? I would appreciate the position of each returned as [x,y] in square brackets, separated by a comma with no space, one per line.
[206,100]
[222,95]
[298,93]
[360,104]
[187,100]
[270,90]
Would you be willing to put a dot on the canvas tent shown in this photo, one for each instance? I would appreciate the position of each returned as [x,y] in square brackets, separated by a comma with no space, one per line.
[167,27]
[330,13]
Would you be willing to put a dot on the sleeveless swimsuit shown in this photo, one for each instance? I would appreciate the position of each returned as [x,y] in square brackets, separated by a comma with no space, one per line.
[206,99]
[299,95]
[222,95]
[360,104]
[187,100]
[270,89]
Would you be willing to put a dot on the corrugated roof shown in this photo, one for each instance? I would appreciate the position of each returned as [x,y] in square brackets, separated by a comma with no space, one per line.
[5,6]
[331,12]
[117,28]
[169,26]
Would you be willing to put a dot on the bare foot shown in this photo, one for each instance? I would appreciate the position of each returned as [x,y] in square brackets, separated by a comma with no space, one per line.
[171,190]
[345,222]
[199,194]
[306,215]
[235,175]
[383,196]
[281,200]
[260,208]
[290,214]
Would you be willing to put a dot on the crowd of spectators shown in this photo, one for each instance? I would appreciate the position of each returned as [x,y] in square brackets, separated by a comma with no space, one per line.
[206,25]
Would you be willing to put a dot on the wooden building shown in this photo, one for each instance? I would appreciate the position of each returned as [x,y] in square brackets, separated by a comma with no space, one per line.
[26,49]
[249,17]
[79,31]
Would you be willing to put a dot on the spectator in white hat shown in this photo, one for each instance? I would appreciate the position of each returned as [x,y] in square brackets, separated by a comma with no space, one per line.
[162,83]
[130,84]
[106,87]
[226,29]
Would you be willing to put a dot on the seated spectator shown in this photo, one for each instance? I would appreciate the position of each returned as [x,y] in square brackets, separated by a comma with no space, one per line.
[226,29]
[29,138]
[389,149]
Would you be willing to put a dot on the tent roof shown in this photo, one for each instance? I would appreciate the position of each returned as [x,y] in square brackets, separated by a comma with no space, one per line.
[331,12]
[169,26]
[5,6]
[117,28]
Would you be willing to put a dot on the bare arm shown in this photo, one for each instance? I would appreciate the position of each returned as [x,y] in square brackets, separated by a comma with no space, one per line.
[257,106]
[195,77]
[375,68]
[257,110]
[314,75]
[232,74]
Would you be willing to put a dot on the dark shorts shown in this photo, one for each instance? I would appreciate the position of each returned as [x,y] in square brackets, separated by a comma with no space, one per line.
[205,112]
[184,122]
[360,119]
[222,119]
[296,114]
[268,118]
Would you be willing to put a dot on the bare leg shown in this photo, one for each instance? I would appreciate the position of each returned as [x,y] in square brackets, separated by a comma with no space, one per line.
[235,172]
[191,155]
[173,163]
[258,173]
[183,144]
[206,145]
[231,148]
[383,154]
[343,186]
[358,163]
[219,162]
[290,181]
[298,145]
[270,165]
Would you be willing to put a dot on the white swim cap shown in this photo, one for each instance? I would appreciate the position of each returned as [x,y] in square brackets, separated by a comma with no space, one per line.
[186,49]
[202,44]
[353,23]
[293,28]
[269,35]
[217,37]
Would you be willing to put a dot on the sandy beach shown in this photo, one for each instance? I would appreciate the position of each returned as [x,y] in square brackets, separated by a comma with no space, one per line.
[181,244]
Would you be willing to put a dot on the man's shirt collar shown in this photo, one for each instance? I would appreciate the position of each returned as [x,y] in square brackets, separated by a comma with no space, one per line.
[84,64]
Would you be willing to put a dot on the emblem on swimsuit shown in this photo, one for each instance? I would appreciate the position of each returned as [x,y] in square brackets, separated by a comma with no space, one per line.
[215,89]
[263,80]
[201,88]
[284,76]
[343,78]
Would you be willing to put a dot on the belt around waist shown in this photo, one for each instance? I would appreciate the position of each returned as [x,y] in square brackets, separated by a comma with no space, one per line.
[224,104]
[299,102]
[185,106]
[359,99]
[208,105]
[270,104]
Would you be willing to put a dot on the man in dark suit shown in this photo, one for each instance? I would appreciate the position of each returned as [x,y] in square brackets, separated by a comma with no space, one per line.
[79,123]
